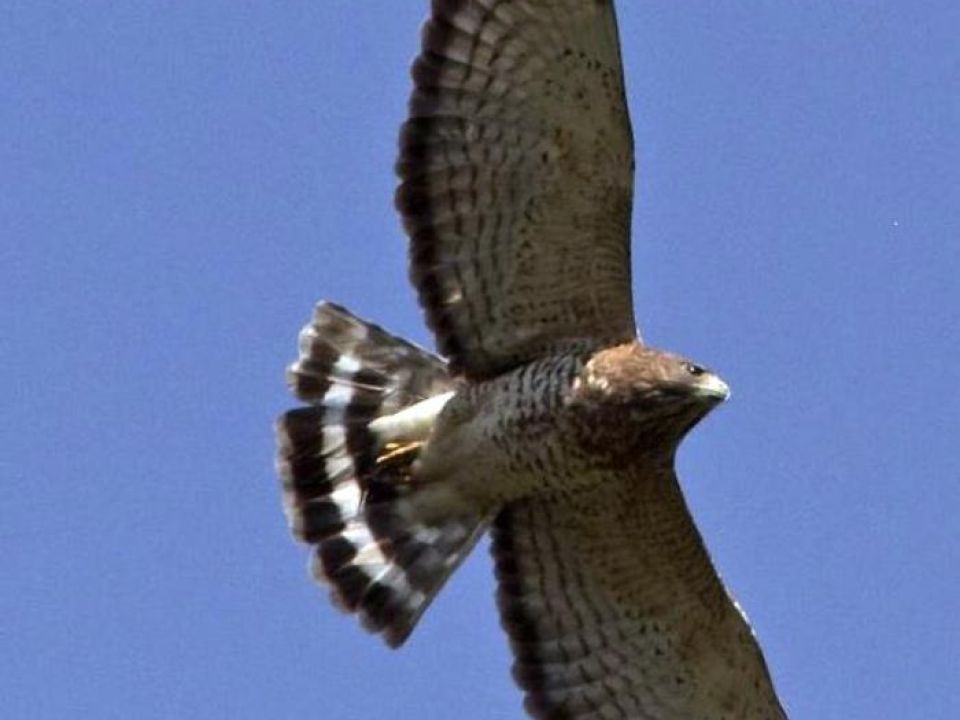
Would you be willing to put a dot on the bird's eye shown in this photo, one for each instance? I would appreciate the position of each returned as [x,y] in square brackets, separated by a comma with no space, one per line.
[694,370]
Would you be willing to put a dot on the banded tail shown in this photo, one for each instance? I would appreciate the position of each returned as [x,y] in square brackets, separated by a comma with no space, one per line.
[345,463]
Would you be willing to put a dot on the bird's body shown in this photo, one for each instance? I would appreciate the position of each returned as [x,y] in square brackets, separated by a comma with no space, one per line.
[509,437]
[549,421]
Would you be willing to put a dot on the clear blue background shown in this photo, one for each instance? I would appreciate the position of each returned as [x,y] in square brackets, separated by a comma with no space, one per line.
[180,182]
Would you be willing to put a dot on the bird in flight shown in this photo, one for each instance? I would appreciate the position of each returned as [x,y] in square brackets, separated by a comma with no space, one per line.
[544,420]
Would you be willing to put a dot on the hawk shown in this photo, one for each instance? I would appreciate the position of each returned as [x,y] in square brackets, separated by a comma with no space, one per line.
[545,419]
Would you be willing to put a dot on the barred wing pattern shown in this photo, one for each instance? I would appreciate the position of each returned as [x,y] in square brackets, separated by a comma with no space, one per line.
[614,610]
[516,169]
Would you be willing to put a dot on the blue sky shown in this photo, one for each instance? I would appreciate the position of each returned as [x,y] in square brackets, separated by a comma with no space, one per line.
[180,182]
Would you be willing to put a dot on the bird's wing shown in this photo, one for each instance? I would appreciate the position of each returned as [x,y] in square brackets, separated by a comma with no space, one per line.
[614,610]
[516,170]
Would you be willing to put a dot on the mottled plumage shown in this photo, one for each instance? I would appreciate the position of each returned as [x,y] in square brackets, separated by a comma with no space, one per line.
[548,421]
[516,170]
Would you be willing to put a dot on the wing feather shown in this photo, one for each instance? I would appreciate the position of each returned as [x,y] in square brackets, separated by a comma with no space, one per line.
[516,169]
[614,610]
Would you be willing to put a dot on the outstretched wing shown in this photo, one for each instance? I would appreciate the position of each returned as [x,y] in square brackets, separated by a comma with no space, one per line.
[614,610]
[516,169]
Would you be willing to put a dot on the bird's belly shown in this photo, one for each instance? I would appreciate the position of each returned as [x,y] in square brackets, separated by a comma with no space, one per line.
[505,440]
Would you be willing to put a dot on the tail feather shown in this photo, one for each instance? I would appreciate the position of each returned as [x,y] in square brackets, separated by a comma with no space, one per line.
[346,479]
[339,349]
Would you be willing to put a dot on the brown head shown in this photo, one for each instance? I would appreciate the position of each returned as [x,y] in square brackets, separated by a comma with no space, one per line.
[649,399]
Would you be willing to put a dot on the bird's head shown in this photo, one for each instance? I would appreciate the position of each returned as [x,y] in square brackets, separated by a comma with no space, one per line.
[635,373]
[655,397]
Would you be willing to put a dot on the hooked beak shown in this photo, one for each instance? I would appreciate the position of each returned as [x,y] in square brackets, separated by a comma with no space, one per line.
[710,386]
